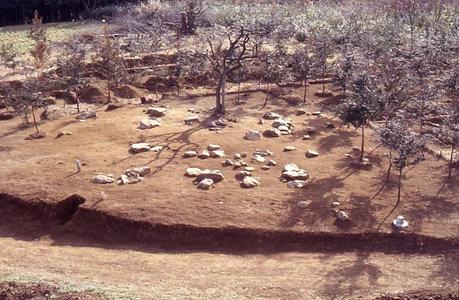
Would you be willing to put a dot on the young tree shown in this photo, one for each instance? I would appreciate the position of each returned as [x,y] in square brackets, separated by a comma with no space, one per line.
[111,64]
[37,33]
[7,55]
[322,49]
[407,144]
[362,105]
[345,66]
[301,64]
[226,55]
[72,70]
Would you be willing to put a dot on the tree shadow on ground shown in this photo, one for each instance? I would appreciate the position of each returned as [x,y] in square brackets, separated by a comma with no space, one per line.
[344,279]
[320,193]
[338,139]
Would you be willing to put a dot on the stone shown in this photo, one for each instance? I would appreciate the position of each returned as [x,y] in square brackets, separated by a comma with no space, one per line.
[244,154]
[330,125]
[112,107]
[304,204]
[6,115]
[205,184]
[289,148]
[140,147]
[87,115]
[250,182]
[282,122]
[311,129]
[217,153]
[157,111]
[191,120]
[129,178]
[356,149]
[297,184]
[102,179]
[258,158]
[265,168]
[142,171]
[312,153]
[212,147]
[227,162]
[204,154]
[336,204]
[149,123]
[36,135]
[252,135]
[190,153]
[249,169]
[261,122]
[215,175]
[342,215]
[237,156]
[291,167]
[300,112]
[284,130]
[400,222]
[295,175]
[317,113]
[240,175]
[271,115]
[62,133]
[156,148]
[263,152]
[271,163]
[306,137]
[192,172]
[52,112]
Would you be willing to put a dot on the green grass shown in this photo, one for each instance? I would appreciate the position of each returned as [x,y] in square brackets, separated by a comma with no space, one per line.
[17,36]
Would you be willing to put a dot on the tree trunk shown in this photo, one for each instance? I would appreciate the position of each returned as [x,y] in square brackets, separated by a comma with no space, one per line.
[451,160]
[390,166]
[305,90]
[238,92]
[323,77]
[109,94]
[363,142]
[220,95]
[35,120]
[78,104]
[266,99]
[398,198]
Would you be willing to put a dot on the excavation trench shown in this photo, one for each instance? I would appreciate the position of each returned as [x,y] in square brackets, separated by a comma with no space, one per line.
[66,221]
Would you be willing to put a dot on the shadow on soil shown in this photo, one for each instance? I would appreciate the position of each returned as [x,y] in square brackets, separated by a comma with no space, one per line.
[69,224]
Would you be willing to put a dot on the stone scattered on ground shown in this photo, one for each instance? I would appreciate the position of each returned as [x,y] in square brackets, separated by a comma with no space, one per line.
[271,163]
[240,175]
[217,153]
[249,169]
[297,184]
[341,215]
[227,162]
[306,137]
[36,135]
[52,112]
[62,133]
[300,112]
[311,153]
[244,154]
[304,204]
[252,135]
[289,148]
[212,147]
[149,123]
[215,175]
[237,156]
[190,153]
[330,125]
[261,122]
[336,204]
[250,182]
[265,168]
[311,129]
[269,115]
[103,179]
[87,115]
[293,172]
[113,106]
[191,120]
[6,115]
[356,149]
[157,112]
[285,126]
[205,184]
[316,113]
[220,123]
[258,158]
[400,222]
[140,147]
[272,132]
[142,171]
[204,154]
[264,153]
[192,172]
[129,178]
[156,148]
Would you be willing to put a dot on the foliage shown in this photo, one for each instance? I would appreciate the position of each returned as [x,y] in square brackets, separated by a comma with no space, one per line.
[37,33]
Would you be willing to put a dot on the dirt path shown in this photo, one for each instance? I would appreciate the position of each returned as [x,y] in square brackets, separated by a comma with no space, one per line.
[136,274]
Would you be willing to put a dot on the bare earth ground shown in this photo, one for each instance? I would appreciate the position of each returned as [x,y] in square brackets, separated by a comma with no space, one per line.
[44,170]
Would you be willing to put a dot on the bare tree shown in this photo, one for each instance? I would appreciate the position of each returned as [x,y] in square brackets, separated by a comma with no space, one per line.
[37,33]
[407,144]
[226,56]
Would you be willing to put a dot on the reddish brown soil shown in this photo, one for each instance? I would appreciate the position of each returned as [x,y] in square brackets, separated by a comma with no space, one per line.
[15,291]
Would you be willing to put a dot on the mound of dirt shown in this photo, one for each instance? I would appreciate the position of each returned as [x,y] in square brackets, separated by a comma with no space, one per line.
[92,95]
[13,291]
[126,92]
[159,84]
